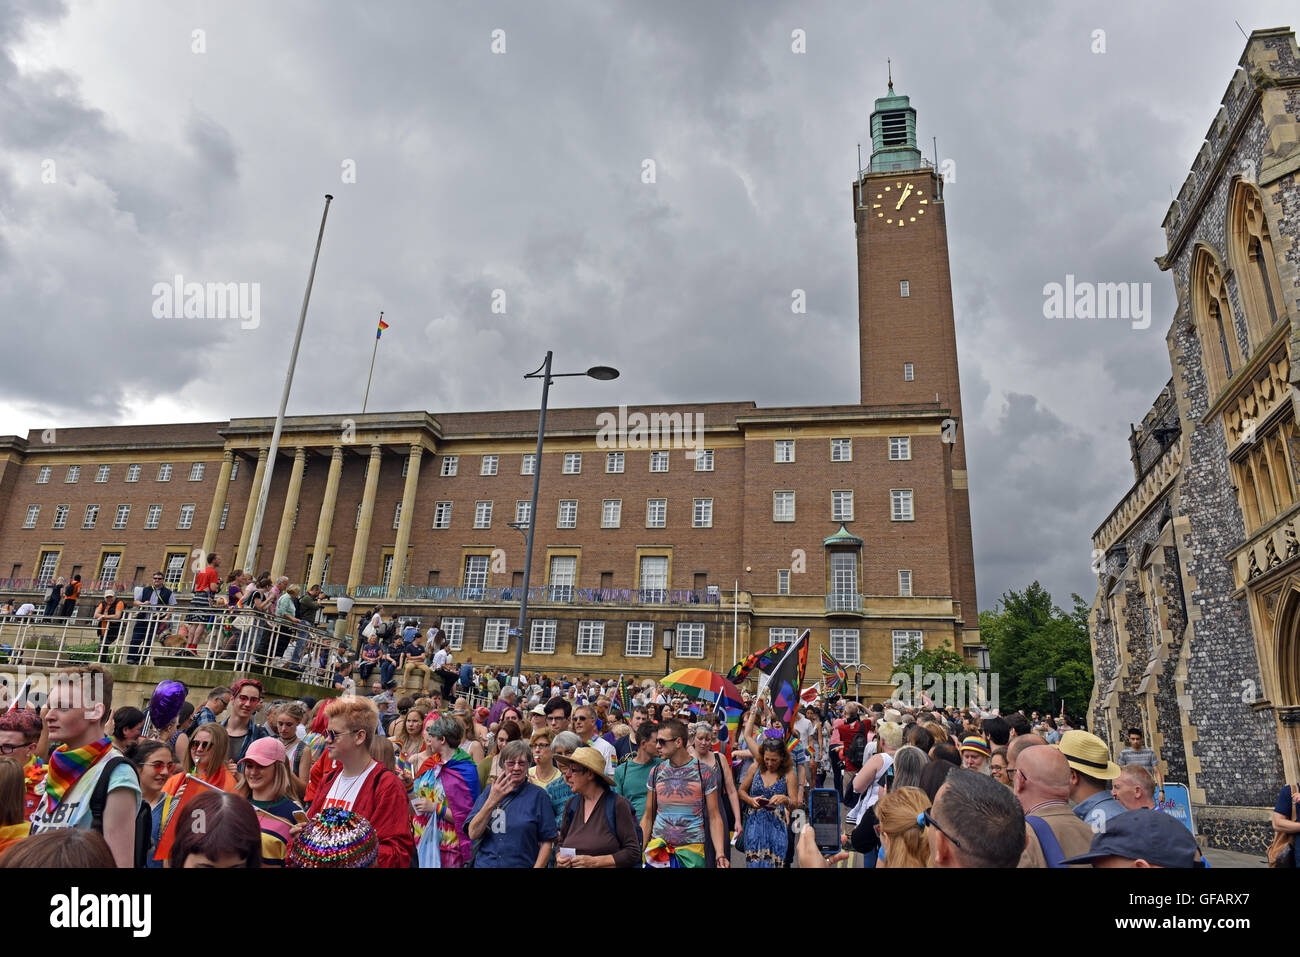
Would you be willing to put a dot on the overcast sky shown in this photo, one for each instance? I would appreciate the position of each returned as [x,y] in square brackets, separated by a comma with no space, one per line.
[522,171]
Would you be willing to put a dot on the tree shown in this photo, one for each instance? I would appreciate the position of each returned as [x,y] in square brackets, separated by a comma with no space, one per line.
[1030,638]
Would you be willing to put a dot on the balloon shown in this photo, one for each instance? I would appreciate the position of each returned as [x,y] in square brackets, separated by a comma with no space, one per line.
[166,702]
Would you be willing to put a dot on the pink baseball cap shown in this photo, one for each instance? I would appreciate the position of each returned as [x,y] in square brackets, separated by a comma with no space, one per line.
[265,752]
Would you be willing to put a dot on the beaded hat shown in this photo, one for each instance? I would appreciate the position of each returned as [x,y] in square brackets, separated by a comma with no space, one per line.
[335,838]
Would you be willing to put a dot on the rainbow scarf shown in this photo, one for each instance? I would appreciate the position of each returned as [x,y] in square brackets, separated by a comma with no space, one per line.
[659,853]
[67,767]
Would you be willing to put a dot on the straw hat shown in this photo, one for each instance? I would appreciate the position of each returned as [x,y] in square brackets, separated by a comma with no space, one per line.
[589,759]
[1088,754]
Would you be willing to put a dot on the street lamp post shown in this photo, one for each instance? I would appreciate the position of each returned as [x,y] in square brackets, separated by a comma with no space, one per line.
[669,634]
[1051,687]
[543,372]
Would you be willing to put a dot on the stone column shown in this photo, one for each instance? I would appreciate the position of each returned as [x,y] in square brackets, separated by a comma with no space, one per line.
[247,530]
[325,524]
[367,513]
[218,503]
[404,523]
[290,510]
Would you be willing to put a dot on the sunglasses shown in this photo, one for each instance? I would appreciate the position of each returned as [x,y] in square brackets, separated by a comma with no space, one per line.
[335,735]
[160,766]
[11,748]
[200,745]
[924,820]
[247,700]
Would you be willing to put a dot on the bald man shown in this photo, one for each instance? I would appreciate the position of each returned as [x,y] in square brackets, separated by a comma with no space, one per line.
[1042,786]
[1017,745]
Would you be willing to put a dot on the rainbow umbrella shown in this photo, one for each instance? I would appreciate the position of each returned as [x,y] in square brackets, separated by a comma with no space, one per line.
[710,692]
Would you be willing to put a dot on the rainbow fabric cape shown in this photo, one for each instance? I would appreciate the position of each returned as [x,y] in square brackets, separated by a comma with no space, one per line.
[762,660]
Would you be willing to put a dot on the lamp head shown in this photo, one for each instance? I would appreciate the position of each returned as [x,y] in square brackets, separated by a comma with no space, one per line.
[603,373]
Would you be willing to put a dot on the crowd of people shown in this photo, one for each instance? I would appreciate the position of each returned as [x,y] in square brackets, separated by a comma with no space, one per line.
[552,772]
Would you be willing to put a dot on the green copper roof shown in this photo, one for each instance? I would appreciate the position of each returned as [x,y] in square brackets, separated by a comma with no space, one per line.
[843,537]
[893,134]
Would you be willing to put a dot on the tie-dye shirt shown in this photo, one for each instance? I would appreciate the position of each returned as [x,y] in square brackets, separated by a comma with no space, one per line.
[681,805]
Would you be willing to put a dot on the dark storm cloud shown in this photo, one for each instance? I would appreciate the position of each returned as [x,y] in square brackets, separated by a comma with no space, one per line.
[481,176]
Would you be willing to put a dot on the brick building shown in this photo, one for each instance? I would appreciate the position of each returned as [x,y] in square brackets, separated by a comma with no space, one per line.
[735,525]
[1194,628]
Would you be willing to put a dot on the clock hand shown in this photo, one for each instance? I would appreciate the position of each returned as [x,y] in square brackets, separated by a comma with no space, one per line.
[902,199]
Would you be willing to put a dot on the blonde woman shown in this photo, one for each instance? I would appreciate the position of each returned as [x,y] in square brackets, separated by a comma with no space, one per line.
[902,838]
[409,739]
[205,758]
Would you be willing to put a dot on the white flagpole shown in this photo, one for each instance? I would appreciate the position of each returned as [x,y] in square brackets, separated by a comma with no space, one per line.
[373,353]
[735,619]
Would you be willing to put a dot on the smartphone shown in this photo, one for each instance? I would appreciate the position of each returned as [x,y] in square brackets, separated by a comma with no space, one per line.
[300,816]
[824,813]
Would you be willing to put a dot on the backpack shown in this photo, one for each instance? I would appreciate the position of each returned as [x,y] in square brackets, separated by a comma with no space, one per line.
[143,814]
[1051,847]
[856,752]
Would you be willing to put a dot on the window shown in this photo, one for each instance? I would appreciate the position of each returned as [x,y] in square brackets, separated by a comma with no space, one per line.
[186,519]
[783,581]
[542,639]
[614,462]
[175,570]
[356,522]
[165,472]
[482,514]
[133,473]
[904,289]
[842,506]
[591,637]
[689,641]
[905,643]
[92,516]
[449,464]
[528,465]
[900,448]
[49,561]
[523,513]
[441,514]
[234,470]
[488,465]
[568,513]
[844,645]
[704,460]
[703,513]
[60,516]
[406,466]
[476,573]
[656,513]
[659,461]
[496,634]
[902,504]
[654,578]
[563,570]
[298,508]
[101,475]
[43,476]
[153,516]
[225,511]
[123,513]
[841,450]
[905,583]
[844,582]
[783,506]
[196,472]
[640,639]
[908,375]
[611,513]
[73,476]
[386,576]
[781,634]
[572,463]
[397,515]
[108,567]
[783,450]
[33,511]
[454,631]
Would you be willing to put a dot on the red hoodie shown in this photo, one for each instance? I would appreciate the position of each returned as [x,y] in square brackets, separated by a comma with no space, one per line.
[383,802]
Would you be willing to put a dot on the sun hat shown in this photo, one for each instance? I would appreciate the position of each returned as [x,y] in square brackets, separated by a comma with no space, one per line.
[977,743]
[1145,834]
[264,752]
[538,710]
[335,838]
[1088,754]
[588,758]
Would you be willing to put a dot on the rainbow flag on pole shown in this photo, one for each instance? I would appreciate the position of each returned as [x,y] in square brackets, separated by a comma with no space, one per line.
[834,673]
[382,326]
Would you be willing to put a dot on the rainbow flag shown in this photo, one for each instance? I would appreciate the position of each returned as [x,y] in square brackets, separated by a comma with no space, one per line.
[762,660]
[836,677]
[382,326]
[622,696]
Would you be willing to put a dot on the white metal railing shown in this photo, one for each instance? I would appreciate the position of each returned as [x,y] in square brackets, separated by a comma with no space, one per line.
[211,639]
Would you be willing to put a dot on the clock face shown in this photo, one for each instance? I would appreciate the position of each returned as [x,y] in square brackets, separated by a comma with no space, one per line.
[900,204]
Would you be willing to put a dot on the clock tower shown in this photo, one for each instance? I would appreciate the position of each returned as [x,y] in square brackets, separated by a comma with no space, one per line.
[906,333]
